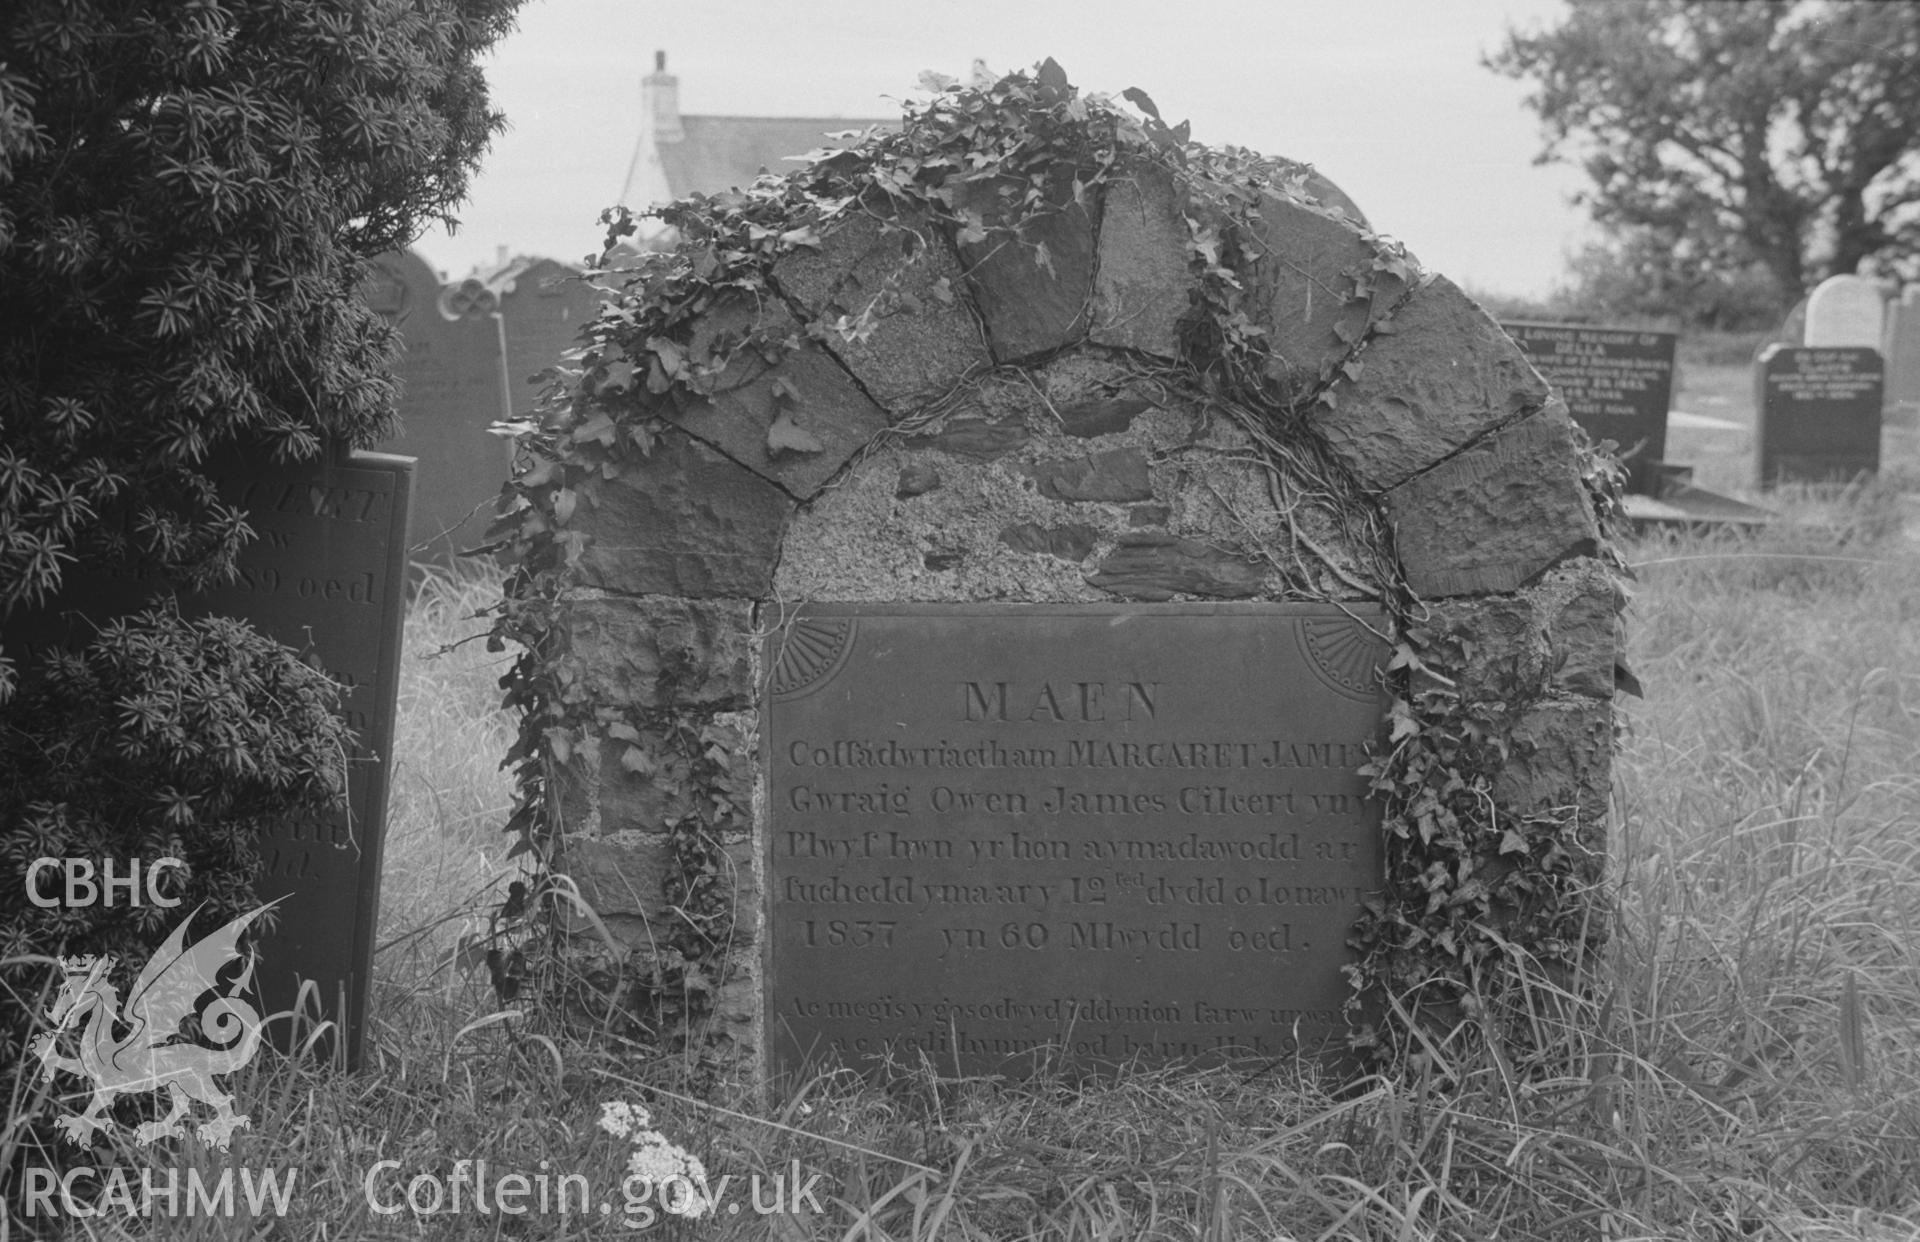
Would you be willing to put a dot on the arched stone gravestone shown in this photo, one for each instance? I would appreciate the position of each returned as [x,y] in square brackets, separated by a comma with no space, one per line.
[1033,639]
[452,381]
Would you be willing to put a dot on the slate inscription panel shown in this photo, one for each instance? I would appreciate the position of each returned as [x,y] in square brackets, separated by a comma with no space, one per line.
[1617,383]
[1126,830]
[325,576]
[1818,413]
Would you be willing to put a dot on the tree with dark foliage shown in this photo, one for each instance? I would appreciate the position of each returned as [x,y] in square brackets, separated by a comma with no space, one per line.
[189,190]
[1780,132]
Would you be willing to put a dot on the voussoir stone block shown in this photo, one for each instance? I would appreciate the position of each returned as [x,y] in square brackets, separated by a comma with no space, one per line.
[656,650]
[1493,516]
[1032,284]
[1153,566]
[1145,282]
[619,873]
[1560,758]
[1496,646]
[685,521]
[1309,267]
[1444,374]
[1585,638]
[827,417]
[890,302]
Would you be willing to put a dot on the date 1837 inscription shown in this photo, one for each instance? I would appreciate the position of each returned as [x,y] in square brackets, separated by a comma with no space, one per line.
[1121,830]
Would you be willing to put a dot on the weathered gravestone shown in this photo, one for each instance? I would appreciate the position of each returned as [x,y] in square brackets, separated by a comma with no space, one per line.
[542,304]
[1818,414]
[325,576]
[452,386]
[1846,312]
[996,689]
[1617,383]
[1903,359]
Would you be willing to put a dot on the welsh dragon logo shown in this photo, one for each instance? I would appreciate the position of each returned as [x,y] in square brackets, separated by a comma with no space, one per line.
[153,1053]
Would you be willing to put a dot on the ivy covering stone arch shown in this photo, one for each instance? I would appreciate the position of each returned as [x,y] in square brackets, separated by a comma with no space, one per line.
[1174,375]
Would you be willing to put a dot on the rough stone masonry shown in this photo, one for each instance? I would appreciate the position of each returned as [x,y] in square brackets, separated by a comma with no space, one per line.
[1010,421]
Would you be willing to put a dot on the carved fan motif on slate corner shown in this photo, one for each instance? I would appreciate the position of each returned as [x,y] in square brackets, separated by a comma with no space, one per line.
[1346,654]
[811,651]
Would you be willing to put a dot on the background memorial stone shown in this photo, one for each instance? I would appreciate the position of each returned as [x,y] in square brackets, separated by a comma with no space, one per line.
[1120,829]
[1818,414]
[1846,311]
[543,304]
[1617,383]
[1903,359]
[452,385]
[326,575]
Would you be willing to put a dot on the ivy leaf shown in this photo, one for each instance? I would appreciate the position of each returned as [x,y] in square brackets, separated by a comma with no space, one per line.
[1141,100]
[973,228]
[787,436]
[935,82]
[599,427]
[1053,80]
[1512,842]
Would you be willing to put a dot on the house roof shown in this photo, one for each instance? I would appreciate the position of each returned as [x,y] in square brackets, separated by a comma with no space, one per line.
[727,152]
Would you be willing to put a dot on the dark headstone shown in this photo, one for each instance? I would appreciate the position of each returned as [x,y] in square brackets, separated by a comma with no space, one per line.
[1617,383]
[1122,829]
[544,305]
[1818,414]
[1903,358]
[452,385]
[326,575]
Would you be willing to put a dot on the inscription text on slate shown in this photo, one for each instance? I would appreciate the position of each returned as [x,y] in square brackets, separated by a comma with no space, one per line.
[1126,830]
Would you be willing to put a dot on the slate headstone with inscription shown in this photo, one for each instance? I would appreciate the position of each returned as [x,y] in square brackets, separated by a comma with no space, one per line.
[452,385]
[1617,383]
[1118,829]
[1818,414]
[327,576]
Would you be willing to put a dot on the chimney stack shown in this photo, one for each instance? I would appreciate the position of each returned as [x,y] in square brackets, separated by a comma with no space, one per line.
[660,100]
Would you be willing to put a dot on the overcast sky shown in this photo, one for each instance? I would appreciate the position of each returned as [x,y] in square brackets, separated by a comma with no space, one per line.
[1387,97]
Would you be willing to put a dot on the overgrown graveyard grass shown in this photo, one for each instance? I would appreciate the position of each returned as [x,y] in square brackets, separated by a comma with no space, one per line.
[1745,1063]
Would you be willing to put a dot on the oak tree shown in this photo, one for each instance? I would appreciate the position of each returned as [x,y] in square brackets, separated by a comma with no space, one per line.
[1780,132]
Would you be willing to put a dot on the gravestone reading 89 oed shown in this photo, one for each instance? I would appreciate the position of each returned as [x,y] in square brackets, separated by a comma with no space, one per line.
[1617,383]
[326,575]
[1818,414]
[1116,829]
